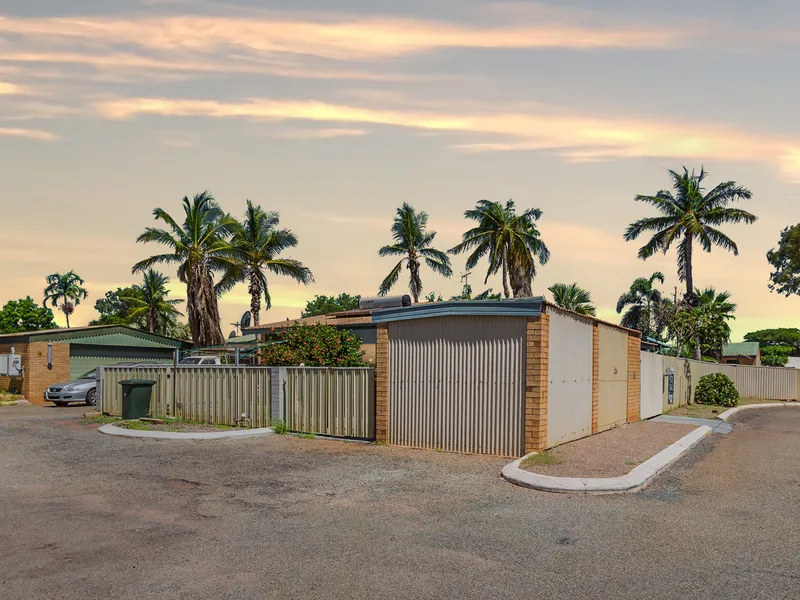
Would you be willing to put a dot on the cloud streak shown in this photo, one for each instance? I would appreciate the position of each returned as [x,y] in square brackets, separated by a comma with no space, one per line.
[31,134]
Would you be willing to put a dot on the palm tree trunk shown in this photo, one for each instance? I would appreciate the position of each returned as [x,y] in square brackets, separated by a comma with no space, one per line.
[506,288]
[416,282]
[66,314]
[255,299]
[688,262]
[203,309]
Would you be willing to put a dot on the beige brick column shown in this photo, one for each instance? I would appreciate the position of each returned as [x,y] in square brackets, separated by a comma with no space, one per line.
[37,376]
[536,382]
[382,385]
[634,378]
[595,376]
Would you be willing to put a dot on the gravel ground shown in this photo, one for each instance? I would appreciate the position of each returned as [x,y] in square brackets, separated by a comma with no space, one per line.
[609,454]
[91,516]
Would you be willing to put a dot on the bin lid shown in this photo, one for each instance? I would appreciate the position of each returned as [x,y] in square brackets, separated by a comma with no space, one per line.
[138,382]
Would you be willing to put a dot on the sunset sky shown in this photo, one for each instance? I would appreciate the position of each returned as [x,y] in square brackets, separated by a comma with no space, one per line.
[336,113]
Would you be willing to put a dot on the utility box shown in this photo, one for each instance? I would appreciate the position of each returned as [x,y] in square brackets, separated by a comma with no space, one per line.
[10,365]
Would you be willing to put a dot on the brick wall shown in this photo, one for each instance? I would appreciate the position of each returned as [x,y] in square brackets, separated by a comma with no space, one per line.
[536,382]
[37,375]
[382,385]
[634,378]
[8,384]
[595,377]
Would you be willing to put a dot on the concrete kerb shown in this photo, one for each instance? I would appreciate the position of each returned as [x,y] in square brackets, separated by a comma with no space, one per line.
[732,411]
[633,481]
[112,429]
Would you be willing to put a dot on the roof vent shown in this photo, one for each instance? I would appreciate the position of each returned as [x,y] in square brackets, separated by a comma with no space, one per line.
[384,302]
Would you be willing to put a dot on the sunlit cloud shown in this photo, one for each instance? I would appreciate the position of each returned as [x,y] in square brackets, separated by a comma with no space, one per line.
[10,89]
[32,134]
[321,134]
[574,137]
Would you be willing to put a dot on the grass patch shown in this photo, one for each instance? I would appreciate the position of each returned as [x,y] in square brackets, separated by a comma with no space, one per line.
[101,420]
[279,427]
[708,411]
[9,399]
[308,436]
[549,457]
[137,425]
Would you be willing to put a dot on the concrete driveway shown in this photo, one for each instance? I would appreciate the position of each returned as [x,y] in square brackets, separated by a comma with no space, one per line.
[91,516]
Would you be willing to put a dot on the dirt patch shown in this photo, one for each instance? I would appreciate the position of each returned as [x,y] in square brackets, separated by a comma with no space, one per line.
[174,426]
[707,411]
[609,454]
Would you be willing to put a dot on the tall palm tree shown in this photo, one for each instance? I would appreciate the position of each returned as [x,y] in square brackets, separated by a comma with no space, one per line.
[645,307]
[690,215]
[257,245]
[200,247]
[412,241]
[511,242]
[151,306]
[573,297]
[66,290]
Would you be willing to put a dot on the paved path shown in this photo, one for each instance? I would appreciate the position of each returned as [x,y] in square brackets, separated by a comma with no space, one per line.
[91,516]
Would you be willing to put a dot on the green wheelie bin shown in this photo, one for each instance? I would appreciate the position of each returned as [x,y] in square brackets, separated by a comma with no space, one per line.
[136,398]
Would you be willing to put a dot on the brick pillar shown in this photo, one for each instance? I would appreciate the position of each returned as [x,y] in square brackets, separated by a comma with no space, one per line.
[37,376]
[382,385]
[634,378]
[536,382]
[595,376]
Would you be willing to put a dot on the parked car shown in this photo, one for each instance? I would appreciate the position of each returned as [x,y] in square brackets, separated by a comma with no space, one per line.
[197,361]
[82,389]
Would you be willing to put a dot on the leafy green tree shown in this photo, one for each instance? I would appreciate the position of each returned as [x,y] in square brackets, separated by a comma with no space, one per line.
[65,292]
[690,215]
[509,241]
[324,305]
[200,247]
[645,307]
[149,306]
[785,279]
[318,345]
[786,337]
[704,329]
[412,241]
[466,294]
[22,315]
[776,356]
[257,245]
[112,309]
[574,298]
[433,297]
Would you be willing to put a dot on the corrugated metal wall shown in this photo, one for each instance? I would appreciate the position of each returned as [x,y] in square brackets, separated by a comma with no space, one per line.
[337,402]
[612,407]
[569,400]
[652,382]
[78,365]
[458,384]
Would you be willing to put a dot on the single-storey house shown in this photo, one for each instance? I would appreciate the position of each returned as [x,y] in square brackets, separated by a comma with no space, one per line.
[743,353]
[57,355]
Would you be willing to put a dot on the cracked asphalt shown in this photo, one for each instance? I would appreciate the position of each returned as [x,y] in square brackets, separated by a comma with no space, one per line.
[91,516]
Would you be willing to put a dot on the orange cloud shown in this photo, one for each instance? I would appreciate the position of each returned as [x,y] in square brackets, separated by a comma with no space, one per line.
[33,134]
[321,134]
[9,89]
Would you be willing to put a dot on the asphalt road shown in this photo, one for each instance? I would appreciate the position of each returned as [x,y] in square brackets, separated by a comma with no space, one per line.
[91,516]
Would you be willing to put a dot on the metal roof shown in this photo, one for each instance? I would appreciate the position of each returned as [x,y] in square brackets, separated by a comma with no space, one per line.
[522,307]
[741,349]
[348,320]
[98,335]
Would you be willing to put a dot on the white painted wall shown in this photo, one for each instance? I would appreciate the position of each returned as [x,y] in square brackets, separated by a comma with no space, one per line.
[652,385]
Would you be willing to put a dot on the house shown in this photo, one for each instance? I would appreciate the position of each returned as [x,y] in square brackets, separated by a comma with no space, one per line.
[56,355]
[358,322]
[794,362]
[743,353]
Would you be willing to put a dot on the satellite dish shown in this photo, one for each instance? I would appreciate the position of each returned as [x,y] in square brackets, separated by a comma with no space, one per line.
[232,335]
[246,320]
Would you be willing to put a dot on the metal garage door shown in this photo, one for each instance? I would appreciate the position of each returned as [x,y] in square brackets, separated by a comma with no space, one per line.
[612,408]
[458,384]
[82,359]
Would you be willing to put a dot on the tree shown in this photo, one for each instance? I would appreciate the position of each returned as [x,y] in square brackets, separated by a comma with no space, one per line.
[690,215]
[776,356]
[466,294]
[149,307]
[324,305]
[785,279]
[574,298]
[704,329]
[65,292]
[113,309]
[434,297]
[510,242]
[22,315]
[318,345]
[257,246]
[412,241]
[201,248]
[645,308]
[786,337]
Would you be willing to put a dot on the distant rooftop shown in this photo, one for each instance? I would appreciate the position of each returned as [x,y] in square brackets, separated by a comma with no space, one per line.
[741,349]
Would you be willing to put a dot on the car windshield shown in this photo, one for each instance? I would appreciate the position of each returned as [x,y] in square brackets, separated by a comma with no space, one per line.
[195,360]
[89,375]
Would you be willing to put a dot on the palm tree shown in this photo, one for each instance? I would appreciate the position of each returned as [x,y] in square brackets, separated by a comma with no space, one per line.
[647,310]
[66,289]
[714,310]
[688,216]
[257,244]
[200,247]
[150,304]
[511,242]
[412,241]
[574,298]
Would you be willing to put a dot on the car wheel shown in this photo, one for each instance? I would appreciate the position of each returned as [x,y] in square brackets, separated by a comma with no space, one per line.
[58,403]
[91,397]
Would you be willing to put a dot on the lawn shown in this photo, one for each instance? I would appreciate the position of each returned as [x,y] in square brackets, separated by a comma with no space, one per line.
[706,411]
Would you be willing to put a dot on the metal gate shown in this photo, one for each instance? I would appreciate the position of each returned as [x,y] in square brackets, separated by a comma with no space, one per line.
[458,384]
[612,407]
[652,382]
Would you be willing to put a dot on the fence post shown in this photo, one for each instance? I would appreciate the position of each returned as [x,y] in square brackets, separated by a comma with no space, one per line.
[277,396]
[99,389]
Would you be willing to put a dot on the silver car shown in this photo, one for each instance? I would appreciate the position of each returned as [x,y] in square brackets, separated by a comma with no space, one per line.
[82,389]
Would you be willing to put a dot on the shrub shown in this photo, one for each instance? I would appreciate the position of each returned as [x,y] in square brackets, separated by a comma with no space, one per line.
[314,346]
[716,389]
[279,427]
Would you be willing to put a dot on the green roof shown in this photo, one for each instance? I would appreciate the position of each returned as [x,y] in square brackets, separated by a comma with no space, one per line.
[99,335]
[741,349]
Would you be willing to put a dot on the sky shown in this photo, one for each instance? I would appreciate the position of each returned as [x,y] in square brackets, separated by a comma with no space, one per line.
[334,114]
